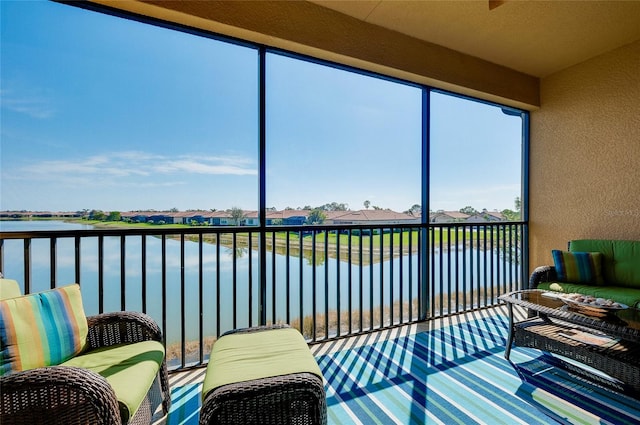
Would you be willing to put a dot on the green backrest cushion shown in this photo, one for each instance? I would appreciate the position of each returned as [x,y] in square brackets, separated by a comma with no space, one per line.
[621,260]
[41,329]
[578,267]
[9,288]
[246,356]
[130,369]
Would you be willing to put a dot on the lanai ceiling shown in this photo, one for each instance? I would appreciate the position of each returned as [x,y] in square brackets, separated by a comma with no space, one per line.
[538,38]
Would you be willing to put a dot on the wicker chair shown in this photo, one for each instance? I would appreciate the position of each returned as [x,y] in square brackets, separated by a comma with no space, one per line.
[296,398]
[72,395]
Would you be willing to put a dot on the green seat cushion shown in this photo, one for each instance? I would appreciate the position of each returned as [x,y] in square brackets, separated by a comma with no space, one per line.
[248,356]
[41,329]
[130,369]
[628,296]
[9,288]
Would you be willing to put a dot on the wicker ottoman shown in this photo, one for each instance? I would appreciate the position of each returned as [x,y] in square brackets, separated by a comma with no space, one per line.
[263,375]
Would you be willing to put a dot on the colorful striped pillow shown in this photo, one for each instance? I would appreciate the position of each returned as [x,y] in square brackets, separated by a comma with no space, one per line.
[41,329]
[578,267]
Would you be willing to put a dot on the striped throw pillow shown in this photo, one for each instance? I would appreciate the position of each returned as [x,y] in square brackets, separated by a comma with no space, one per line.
[578,267]
[41,329]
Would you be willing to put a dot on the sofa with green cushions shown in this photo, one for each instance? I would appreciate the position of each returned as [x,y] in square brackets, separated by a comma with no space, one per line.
[601,268]
[58,366]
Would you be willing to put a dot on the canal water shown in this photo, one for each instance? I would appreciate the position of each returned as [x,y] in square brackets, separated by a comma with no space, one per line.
[330,278]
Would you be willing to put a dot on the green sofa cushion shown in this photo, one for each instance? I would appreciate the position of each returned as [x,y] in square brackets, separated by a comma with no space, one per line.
[247,356]
[628,296]
[620,264]
[578,267]
[130,369]
[41,329]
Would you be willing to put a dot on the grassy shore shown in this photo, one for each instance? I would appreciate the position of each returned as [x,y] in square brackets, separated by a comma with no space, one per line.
[370,320]
[365,249]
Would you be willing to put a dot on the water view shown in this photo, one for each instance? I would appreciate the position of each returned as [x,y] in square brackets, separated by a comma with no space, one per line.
[333,290]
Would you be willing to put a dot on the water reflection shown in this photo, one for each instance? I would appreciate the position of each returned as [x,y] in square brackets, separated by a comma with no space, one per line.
[226,275]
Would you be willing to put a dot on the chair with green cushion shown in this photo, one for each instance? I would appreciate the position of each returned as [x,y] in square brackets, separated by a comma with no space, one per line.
[58,366]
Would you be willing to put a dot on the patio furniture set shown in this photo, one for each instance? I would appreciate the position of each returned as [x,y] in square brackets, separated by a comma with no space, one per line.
[58,366]
[599,328]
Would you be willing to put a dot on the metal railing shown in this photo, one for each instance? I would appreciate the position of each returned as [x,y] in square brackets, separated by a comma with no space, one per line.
[326,281]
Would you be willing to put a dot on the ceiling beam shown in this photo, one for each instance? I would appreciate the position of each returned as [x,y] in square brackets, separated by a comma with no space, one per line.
[309,29]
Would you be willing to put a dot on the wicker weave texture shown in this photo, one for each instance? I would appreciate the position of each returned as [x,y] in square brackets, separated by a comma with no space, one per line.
[290,399]
[619,361]
[70,395]
[542,274]
[294,399]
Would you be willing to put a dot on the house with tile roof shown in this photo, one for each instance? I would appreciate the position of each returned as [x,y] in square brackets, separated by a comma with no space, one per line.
[448,217]
[383,217]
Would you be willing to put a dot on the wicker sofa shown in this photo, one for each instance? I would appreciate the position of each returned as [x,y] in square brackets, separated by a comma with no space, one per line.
[118,376]
[612,270]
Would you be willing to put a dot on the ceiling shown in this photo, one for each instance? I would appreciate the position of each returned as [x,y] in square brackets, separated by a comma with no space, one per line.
[537,38]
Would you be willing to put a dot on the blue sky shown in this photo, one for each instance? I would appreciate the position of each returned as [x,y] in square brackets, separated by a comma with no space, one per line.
[104,113]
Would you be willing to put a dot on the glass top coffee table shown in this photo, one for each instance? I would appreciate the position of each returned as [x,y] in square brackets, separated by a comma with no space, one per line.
[604,339]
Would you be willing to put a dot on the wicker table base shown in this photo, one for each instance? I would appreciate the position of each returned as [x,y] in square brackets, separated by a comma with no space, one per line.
[610,346]
[619,361]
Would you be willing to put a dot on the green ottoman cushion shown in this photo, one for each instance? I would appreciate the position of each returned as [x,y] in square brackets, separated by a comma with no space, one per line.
[247,356]
[130,369]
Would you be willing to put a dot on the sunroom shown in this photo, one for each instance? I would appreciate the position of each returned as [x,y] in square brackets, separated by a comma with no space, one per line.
[442,105]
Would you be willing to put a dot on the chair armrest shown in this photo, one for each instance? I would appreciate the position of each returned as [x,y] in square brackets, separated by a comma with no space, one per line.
[57,394]
[542,274]
[121,327]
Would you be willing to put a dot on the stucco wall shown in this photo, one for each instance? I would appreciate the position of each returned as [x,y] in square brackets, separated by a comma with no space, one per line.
[585,154]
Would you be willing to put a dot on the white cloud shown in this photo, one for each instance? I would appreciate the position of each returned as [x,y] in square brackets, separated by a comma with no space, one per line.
[30,102]
[128,164]
[207,165]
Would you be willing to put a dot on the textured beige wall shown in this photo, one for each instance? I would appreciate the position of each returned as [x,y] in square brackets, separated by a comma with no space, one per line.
[585,154]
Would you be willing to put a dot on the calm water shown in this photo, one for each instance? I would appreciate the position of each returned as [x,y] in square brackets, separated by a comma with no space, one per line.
[372,278]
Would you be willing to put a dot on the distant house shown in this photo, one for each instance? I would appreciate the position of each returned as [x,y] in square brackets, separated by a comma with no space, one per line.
[287,217]
[290,217]
[250,219]
[136,218]
[448,217]
[383,217]
[161,219]
[220,218]
[485,216]
[195,218]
